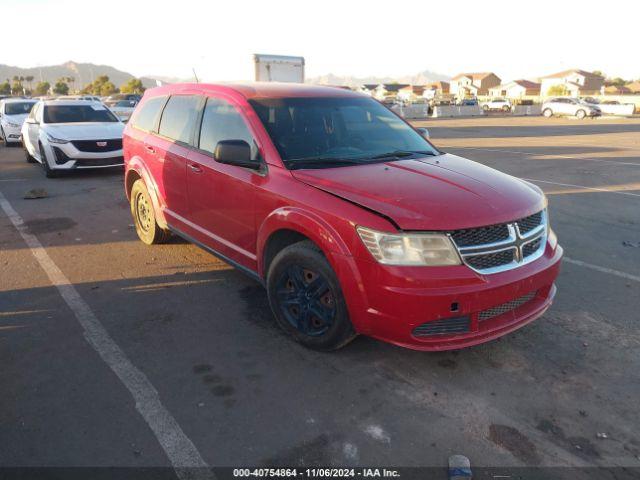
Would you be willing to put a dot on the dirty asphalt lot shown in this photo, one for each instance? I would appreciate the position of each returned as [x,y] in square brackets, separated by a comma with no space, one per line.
[244,394]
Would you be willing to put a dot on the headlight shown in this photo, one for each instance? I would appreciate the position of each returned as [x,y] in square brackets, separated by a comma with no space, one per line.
[56,140]
[424,249]
[14,125]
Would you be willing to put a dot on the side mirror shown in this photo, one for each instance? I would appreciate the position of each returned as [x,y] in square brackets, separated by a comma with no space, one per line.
[235,152]
[31,121]
[424,132]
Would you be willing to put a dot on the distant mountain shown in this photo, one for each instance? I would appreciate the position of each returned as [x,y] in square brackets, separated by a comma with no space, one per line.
[83,73]
[421,78]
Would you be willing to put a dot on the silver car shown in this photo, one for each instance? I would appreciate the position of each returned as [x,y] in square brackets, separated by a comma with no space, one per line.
[570,106]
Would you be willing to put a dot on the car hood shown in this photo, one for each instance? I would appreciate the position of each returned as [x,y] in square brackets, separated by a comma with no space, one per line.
[17,119]
[85,131]
[445,192]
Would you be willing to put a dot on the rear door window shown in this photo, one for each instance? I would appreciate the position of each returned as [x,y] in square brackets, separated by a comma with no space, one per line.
[179,118]
[147,117]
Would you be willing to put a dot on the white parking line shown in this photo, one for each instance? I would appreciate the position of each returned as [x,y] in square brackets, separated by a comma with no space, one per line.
[601,160]
[595,189]
[182,453]
[610,271]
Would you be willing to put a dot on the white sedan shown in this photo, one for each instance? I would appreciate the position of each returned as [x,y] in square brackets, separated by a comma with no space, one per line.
[501,104]
[13,113]
[570,106]
[64,135]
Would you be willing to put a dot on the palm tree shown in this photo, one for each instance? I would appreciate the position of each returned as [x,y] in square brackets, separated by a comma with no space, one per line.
[29,79]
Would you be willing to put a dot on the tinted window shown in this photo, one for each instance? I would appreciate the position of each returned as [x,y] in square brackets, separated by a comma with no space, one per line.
[18,108]
[335,128]
[146,118]
[221,121]
[34,111]
[179,117]
[77,114]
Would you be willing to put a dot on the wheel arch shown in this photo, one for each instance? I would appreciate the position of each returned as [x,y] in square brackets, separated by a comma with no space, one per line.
[288,225]
[137,170]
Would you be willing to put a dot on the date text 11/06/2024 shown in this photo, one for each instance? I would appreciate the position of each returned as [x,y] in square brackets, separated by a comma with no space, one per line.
[316,472]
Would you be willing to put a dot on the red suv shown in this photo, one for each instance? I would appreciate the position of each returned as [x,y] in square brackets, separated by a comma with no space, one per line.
[352,220]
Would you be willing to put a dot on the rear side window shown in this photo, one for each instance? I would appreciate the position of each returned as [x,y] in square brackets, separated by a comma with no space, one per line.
[34,111]
[179,117]
[146,118]
[221,121]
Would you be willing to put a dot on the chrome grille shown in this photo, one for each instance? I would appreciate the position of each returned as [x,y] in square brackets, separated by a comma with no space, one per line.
[497,248]
[446,326]
[531,247]
[529,223]
[490,260]
[506,307]
[478,236]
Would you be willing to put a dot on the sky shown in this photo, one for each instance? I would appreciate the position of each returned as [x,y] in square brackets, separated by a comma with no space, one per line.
[353,38]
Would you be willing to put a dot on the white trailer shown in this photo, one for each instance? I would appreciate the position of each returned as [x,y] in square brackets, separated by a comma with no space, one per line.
[279,68]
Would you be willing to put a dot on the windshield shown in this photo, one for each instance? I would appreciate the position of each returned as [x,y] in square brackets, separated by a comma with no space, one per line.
[18,108]
[77,114]
[327,129]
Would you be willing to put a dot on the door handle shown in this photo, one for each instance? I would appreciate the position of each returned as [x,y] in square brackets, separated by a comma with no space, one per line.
[195,168]
[150,149]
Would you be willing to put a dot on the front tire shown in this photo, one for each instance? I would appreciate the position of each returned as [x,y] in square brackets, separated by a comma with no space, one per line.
[580,114]
[306,298]
[48,171]
[28,157]
[547,113]
[144,216]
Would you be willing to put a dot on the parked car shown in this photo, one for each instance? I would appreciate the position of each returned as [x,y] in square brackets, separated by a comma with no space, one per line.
[352,220]
[122,96]
[89,98]
[570,106]
[13,112]
[122,108]
[64,135]
[467,102]
[501,104]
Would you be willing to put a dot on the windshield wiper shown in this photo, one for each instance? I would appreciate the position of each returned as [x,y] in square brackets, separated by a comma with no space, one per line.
[321,162]
[401,154]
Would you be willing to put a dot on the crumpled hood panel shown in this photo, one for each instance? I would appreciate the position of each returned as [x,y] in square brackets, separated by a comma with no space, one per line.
[445,192]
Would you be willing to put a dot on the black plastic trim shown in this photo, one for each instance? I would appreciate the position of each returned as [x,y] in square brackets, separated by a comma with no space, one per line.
[224,258]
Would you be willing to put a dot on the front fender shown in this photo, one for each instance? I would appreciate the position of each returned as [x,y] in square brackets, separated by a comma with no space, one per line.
[137,167]
[334,247]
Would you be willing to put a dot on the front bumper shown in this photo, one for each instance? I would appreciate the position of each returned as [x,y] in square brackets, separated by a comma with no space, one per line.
[402,302]
[12,134]
[65,156]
